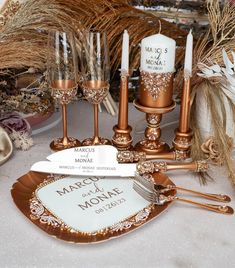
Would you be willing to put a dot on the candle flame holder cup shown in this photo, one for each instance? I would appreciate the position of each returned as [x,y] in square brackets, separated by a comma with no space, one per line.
[122,139]
[155,99]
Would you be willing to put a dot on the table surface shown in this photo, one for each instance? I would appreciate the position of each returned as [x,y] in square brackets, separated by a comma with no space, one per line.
[183,236]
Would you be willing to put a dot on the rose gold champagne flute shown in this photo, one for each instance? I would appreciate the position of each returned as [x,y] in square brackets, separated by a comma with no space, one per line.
[95,76]
[62,73]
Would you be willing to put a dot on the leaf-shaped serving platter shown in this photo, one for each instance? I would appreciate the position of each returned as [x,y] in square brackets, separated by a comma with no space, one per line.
[84,210]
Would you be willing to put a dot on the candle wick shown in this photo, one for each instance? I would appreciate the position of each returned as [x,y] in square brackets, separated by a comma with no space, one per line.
[160,26]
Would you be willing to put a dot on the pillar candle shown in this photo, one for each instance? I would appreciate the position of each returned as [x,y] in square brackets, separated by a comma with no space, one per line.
[158,54]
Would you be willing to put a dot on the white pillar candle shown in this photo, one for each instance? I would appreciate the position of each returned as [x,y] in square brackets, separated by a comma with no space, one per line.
[158,54]
[125,52]
[188,55]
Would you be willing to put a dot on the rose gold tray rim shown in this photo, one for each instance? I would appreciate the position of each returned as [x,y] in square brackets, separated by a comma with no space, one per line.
[22,203]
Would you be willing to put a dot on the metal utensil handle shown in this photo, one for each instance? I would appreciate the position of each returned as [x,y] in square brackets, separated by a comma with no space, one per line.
[216,197]
[151,167]
[196,166]
[216,208]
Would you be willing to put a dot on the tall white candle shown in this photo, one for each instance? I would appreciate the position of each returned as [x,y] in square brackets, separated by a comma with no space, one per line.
[158,54]
[125,52]
[188,55]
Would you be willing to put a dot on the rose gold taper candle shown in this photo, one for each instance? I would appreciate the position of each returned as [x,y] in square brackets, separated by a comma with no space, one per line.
[122,138]
[183,134]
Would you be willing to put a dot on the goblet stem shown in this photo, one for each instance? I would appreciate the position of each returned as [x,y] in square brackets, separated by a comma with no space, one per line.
[96,124]
[65,129]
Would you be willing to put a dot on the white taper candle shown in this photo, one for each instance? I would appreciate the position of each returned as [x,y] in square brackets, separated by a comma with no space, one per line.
[125,52]
[188,55]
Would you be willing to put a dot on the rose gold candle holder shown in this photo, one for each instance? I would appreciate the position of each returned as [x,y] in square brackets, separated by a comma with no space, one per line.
[183,134]
[122,138]
[155,99]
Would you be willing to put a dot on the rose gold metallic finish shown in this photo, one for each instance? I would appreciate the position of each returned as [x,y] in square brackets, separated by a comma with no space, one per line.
[65,129]
[96,140]
[152,145]
[215,197]
[185,107]
[151,167]
[95,91]
[183,134]
[122,139]
[65,142]
[123,103]
[95,84]
[152,185]
[216,208]
[63,84]
[164,98]
[58,144]
[96,122]
[64,91]
[23,194]
[156,197]
[155,99]
[135,156]
[152,110]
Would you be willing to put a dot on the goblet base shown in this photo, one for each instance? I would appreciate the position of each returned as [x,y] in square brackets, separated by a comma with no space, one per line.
[96,141]
[59,144]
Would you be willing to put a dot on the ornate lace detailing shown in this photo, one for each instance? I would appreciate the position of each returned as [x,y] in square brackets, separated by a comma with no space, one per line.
[64,96]
[136,220]
[155,83]
[130,156]
[151,167]
[38,212]
[95,96]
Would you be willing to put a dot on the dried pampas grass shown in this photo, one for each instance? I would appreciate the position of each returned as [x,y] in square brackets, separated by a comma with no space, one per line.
[24,36]
[208,52]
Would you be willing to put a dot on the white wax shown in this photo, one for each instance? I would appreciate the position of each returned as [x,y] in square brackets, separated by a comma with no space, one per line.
[158,54]
[125,52]
[188,54]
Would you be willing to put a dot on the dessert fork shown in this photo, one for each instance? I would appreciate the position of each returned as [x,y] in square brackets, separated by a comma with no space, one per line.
[158,198]
[147,181]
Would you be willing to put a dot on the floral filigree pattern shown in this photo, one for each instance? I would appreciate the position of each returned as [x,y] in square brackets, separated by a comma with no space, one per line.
[155,83]
[151,167]
[130,156]
[64,96]
[38,212]
[137,220]
[95,96]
